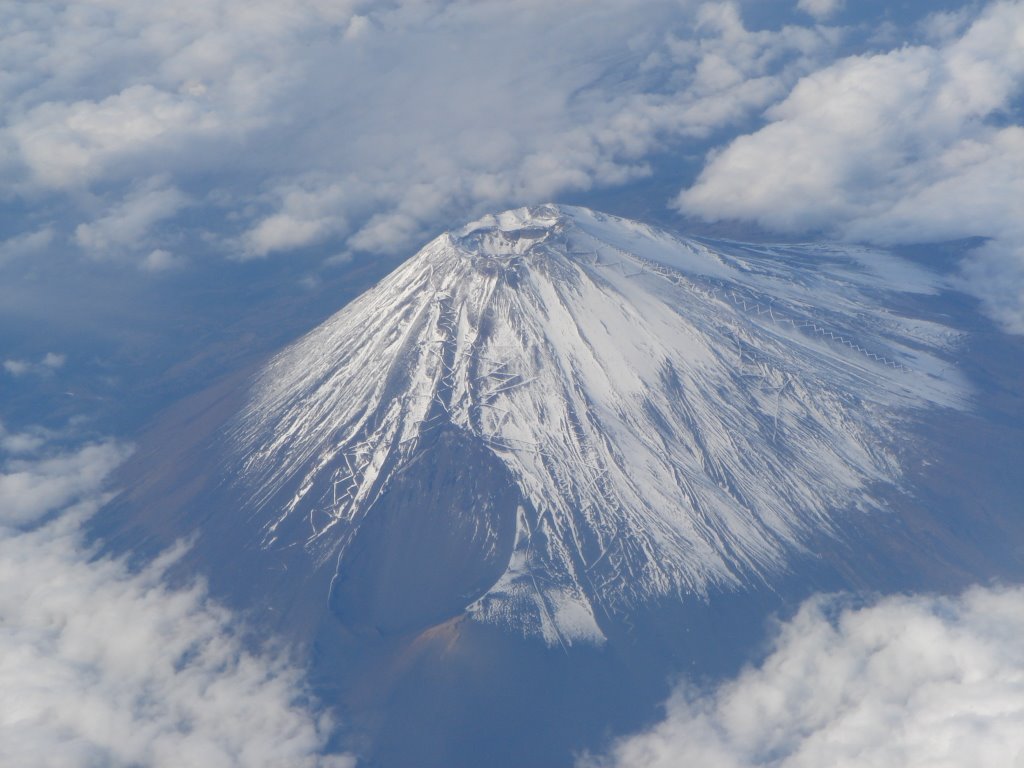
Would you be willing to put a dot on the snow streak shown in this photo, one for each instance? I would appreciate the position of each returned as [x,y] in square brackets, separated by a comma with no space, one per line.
[676,414]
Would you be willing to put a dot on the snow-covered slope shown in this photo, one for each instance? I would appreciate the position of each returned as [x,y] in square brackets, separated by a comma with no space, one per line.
[632,414]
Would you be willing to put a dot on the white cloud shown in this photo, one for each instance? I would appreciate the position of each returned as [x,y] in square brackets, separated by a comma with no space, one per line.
[64,145]
[27,441]
[357,26]
[942,26]
[100,665]
[528,110]
[106,88]
[160,260]
[28,244]
[50,362]
[367,123]
[909,682]
[53,361]
[820,9]
[306,213]
[29,488]
[17,367]
[126,225]
[911,145]
[368,126]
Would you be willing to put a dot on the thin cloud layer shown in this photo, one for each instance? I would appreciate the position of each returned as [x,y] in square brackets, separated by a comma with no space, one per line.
[920,143]
[103,666]
[907,683]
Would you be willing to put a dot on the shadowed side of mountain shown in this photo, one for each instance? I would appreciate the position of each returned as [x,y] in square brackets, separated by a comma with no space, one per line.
[440,537]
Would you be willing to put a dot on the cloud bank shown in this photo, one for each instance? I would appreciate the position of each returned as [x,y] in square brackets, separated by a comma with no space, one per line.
[909,682]
[363,124]
[921,143]
[103,666]
[155,135]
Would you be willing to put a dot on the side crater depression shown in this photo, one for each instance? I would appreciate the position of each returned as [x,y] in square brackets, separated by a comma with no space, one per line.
[553,414]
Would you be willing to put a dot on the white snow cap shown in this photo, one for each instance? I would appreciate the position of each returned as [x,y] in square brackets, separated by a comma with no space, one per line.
[677,414]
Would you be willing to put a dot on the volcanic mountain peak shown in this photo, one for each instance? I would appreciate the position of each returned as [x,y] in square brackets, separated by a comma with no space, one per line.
[557,413]
[511,233]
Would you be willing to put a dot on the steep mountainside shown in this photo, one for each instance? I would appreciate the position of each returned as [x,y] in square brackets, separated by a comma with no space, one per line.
[553,414]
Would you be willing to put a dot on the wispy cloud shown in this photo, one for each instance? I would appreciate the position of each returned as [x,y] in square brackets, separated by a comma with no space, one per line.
[49,363]
[906,683]
[25,244]
[125,226]
[361,123]
[103,665]
[919,143]
[820,9]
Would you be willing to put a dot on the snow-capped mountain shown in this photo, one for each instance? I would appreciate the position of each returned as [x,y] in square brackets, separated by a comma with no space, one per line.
[552,414]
